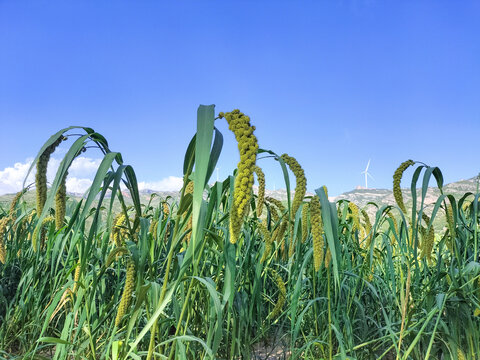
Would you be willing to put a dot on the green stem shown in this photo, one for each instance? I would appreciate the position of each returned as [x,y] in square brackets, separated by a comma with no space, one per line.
[330,344]
[185,304]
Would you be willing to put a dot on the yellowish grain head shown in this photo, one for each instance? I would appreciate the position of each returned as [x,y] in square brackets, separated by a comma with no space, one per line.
[282,296]
[119,232]
[3,230]
[60,203]
[305,212]
[40,231]
[261,189]
[12,212]
[41,175]
[127,292]
[76,277]
[268,241]
[368,228]
[397,178]
[354,216]
[317,232]
[301,182]
[239,124]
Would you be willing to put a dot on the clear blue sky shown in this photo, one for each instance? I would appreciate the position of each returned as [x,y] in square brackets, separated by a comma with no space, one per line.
[332,83]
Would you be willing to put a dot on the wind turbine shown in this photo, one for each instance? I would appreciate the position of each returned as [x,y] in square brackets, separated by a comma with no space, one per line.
[367,174]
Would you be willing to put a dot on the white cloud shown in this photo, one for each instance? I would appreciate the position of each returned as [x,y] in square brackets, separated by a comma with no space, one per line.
[83,166]
[171,183]
[78,186]
[11,178]
[80,175]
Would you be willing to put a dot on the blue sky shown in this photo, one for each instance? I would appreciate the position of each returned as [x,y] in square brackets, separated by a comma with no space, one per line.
[332,83]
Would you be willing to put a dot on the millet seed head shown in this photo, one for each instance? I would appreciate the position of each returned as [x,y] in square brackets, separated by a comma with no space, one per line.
[397,178]
[239,124]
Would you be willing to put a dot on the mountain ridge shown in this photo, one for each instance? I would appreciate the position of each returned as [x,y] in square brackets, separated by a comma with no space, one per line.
[360,196]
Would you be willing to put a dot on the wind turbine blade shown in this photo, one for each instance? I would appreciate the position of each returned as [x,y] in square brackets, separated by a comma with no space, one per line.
[371,176]
[368,164]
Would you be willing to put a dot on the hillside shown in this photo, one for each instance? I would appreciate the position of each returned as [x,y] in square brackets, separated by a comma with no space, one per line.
[360,196]
[385,196]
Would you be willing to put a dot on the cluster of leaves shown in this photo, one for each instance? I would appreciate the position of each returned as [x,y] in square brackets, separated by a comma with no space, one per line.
[200,296]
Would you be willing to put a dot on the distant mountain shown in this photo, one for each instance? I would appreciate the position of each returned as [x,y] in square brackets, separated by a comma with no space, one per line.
[360,196]
[145,196]
[385,196]
[280,194]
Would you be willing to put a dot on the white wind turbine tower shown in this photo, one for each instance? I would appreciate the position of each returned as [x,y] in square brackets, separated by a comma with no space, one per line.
[367,174]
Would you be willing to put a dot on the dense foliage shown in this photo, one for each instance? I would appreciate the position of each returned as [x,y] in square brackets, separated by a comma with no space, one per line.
[321,280]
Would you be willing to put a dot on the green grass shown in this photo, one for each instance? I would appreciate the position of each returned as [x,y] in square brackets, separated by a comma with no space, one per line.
[210,299]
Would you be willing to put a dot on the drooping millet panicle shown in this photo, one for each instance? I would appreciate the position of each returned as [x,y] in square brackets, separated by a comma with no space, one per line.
[41,182]
[280,237]
[276,220]
[117,231]
[268,241]
[153,228]
[397,178]
[427,237]
[368,228]
[48,219]
[12,212]
[127,292]
[190,187]
[274,215]
[460,354]
[3,230]
[428,243]
[354,215]
[392,217]
[450,224]
[291,245]
[425,218]
[166,210]
[466,205]
[282,227]
[328,258]
[41,175]
[41,229]
[76,276]
[278,204]
[33,213]
[167,232]
[282,296]
[60,203]
[317,232]
[166,214]
[301,183]
[300,190]
[114,254]
[239,124]
[305,212]
[261,189]
[189,190]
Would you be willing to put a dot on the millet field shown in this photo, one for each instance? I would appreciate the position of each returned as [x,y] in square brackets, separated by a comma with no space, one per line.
[223,273]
